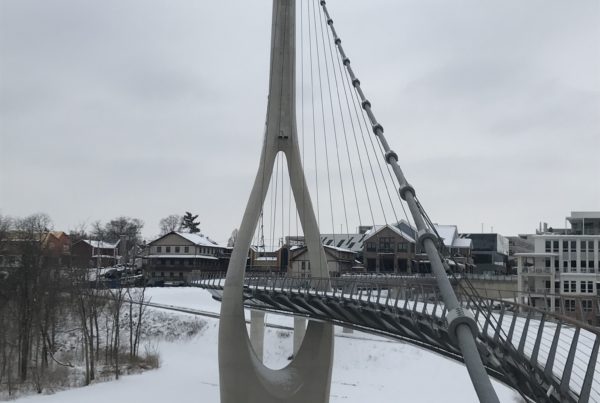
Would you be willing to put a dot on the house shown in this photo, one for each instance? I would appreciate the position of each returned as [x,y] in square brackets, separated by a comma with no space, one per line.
[88,253]
[563,271]
[177,256]
[387,249]
[339,261]
[56,246]
[51,248]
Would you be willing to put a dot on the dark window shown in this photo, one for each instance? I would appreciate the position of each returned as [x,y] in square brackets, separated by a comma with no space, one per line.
[548,246]
[340,243]
[570,305]
[555,246]
[177,249]
[168,249]
[548,263]
[385,244]
[566,286]
[573,246]
[590,287]
[158,249]
[565,246]
[573,286]
[586,304]
[186,249]
[402,247]
[371,247]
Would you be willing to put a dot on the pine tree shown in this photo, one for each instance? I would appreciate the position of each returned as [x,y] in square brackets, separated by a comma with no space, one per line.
[188,222]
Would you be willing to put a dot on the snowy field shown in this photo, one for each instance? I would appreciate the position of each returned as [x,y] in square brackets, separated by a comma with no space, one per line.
[366,368]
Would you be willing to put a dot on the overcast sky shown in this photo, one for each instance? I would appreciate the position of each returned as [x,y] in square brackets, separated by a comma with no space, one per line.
[149,108]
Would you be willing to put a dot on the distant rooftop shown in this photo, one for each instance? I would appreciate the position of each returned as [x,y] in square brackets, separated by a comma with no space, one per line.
[584,215]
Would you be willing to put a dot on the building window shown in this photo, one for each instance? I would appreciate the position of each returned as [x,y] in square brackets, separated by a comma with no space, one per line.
[402,247]
[548,246]
[565,246]
[186,249]
[168,249]
[177,249]
[158,249]
[573,246]
[566,286]
[586,304]
[555,246]
[570,305]
[548,263]
[590,287]
[573,265]
[371,247]
[385,244]
[573,286]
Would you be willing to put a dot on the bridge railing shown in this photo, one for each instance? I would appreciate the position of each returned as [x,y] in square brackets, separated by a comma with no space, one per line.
[522,326]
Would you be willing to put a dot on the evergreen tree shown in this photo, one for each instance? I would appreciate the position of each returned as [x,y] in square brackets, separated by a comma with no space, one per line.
[188,222]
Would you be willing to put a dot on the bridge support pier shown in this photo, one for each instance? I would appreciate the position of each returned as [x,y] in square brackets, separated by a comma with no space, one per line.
[299,331]
[257,332]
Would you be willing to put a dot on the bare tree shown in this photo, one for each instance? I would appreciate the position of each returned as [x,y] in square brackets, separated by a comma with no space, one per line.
[170,223]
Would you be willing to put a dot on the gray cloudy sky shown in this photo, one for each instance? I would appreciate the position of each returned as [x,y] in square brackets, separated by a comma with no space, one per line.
[138,108]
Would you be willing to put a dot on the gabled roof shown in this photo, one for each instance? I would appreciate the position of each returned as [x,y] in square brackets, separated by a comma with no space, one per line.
[378,228]
[196,239]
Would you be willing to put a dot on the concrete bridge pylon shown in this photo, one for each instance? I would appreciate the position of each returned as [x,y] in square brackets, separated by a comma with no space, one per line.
[243,376]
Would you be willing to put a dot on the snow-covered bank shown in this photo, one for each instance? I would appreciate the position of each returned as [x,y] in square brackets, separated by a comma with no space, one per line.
[366,368]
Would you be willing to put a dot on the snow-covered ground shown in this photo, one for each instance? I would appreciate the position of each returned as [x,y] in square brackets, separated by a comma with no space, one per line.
[366,367]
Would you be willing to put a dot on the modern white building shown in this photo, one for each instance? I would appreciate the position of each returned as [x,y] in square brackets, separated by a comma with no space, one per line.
[562,273]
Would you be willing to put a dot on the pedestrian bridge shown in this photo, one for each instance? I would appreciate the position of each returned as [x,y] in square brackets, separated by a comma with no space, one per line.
[544,355]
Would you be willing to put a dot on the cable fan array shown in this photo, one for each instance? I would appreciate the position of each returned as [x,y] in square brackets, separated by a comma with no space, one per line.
[343,163]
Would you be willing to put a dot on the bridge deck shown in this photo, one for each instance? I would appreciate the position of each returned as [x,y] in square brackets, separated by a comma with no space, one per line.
[523,351]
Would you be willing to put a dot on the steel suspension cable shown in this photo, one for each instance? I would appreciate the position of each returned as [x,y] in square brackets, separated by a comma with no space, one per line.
[354,135]
[461,325]
[385,184]
[322,103]
[362,132]
[333,121]
[314,126]
[339,102]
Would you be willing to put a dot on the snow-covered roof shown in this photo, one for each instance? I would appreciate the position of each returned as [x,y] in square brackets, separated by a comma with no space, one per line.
[449,233]
[198,239]
[101,244]
[349,242]
[378,228]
